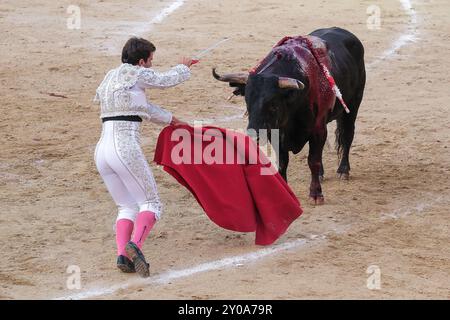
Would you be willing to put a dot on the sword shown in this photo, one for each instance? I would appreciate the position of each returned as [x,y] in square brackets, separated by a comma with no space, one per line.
[196,58]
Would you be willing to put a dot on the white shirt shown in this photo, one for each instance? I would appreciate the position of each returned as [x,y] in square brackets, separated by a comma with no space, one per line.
[122,92]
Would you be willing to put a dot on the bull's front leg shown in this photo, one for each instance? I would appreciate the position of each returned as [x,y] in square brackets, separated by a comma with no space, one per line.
[316,144]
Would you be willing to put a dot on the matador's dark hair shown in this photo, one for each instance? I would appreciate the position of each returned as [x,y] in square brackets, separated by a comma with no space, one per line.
[136,49]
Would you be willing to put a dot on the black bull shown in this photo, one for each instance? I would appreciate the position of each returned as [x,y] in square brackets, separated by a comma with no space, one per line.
[277,98]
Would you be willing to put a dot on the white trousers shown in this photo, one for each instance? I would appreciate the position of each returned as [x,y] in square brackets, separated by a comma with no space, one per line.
[125,170]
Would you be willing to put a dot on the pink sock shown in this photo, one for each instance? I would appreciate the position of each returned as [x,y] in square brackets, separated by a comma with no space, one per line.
[124,228]
[144,223]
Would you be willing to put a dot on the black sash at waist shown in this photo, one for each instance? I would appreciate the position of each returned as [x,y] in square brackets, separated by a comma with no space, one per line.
[123,118]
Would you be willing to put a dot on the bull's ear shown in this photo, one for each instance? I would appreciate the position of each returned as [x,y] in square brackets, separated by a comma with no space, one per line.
[289,83]
[240,89]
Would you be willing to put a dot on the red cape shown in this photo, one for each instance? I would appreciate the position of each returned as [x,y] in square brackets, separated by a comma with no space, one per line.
[235,196]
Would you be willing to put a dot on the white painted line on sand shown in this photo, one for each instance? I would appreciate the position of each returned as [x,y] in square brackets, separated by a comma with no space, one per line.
[167,11]
[230,262]
[406,38]
[241,260]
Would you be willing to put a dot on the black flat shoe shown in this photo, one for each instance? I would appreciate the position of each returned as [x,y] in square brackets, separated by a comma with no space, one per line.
[125,264]
[141,266]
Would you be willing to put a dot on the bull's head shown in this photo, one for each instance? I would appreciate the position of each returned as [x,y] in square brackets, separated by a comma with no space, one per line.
[269,98]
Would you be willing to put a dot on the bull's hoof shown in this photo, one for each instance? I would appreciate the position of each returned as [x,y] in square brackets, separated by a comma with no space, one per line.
[316,200]
[343,176]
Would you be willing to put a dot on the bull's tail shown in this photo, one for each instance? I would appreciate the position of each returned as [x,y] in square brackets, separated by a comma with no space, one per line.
[340,137]
[345,129]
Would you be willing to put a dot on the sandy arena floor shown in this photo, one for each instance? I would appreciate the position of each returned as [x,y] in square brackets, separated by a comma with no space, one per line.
[56,212]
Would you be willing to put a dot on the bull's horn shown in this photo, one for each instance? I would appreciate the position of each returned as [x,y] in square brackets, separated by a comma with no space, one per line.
[289,83]
[240,78]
